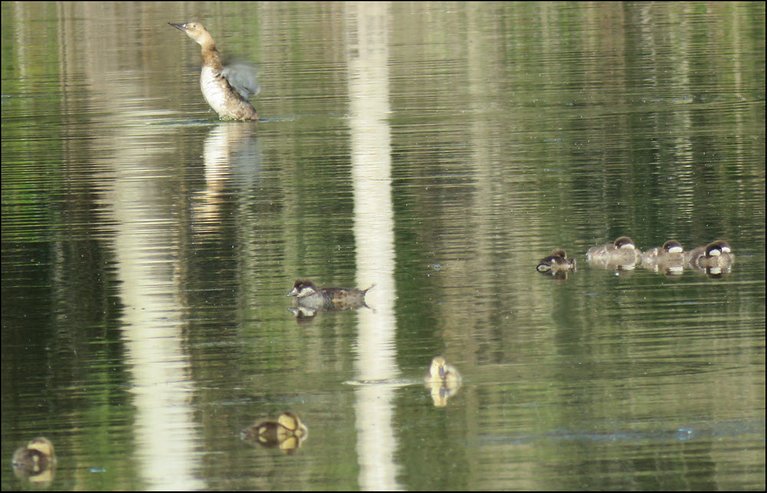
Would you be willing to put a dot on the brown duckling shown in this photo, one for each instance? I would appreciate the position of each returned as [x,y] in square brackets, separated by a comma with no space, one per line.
[668,258]
[556,261]
[310,296]
[714,255]
[287,433]
[621,254]
[34,458]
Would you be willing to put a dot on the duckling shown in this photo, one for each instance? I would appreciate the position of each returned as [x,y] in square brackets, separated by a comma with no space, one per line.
[442,380]
[668,258]
[225,88]
[34,458]
[332,299]
[287,433]
[715,255]
[441,372]
[621,254]
[556,261]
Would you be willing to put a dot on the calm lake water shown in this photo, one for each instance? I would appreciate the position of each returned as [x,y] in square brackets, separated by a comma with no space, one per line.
[435,150]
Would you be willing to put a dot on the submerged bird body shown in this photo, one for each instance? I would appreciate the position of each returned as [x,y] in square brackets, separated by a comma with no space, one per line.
[310,296]
[225,88]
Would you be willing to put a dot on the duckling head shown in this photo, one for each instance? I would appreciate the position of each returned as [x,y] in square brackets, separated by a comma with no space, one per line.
[303,288]
[437,369]
[672,246]
[624,242]
[197,32]
[718,247]
[42,445]
[713,250]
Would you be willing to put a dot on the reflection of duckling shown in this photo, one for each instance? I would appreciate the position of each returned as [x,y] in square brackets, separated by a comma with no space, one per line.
[288,432]
[310,296]
[714,255]
[668,258]
[621,254]
[34,459]
[557,261]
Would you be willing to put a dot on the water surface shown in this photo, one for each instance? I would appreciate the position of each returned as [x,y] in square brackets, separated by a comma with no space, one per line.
[436,150]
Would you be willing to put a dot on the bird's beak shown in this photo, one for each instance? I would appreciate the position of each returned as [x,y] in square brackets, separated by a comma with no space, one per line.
[180,27]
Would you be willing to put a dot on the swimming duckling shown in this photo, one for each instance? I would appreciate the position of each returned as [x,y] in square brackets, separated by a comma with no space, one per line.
[556,261]
[287,433]
[716,255]
[333,299]
[668,258]
[225,88]
[621,254]
[35,458]
[441,372]
[442,380]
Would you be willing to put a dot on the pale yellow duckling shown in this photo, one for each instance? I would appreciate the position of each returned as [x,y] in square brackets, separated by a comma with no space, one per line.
[442,380]
[441,372]
[35,458]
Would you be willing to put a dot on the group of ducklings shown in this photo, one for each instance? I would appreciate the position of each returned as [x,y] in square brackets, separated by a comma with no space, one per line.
[715,258]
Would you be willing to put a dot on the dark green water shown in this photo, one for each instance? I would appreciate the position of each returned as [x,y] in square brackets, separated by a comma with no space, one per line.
[435,150]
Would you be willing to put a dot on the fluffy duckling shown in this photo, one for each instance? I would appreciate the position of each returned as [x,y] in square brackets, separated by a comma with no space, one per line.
[287,433]
[716,254]
[34,458]
[310,296]
[556,261]
[441,372]
[668,258]
[621,254]
[442,380]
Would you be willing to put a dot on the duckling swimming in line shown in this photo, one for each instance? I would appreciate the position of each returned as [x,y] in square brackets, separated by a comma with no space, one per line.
[714,255]
[619,254]
[310,296]
[668,258]
[225,88]
[34,458]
